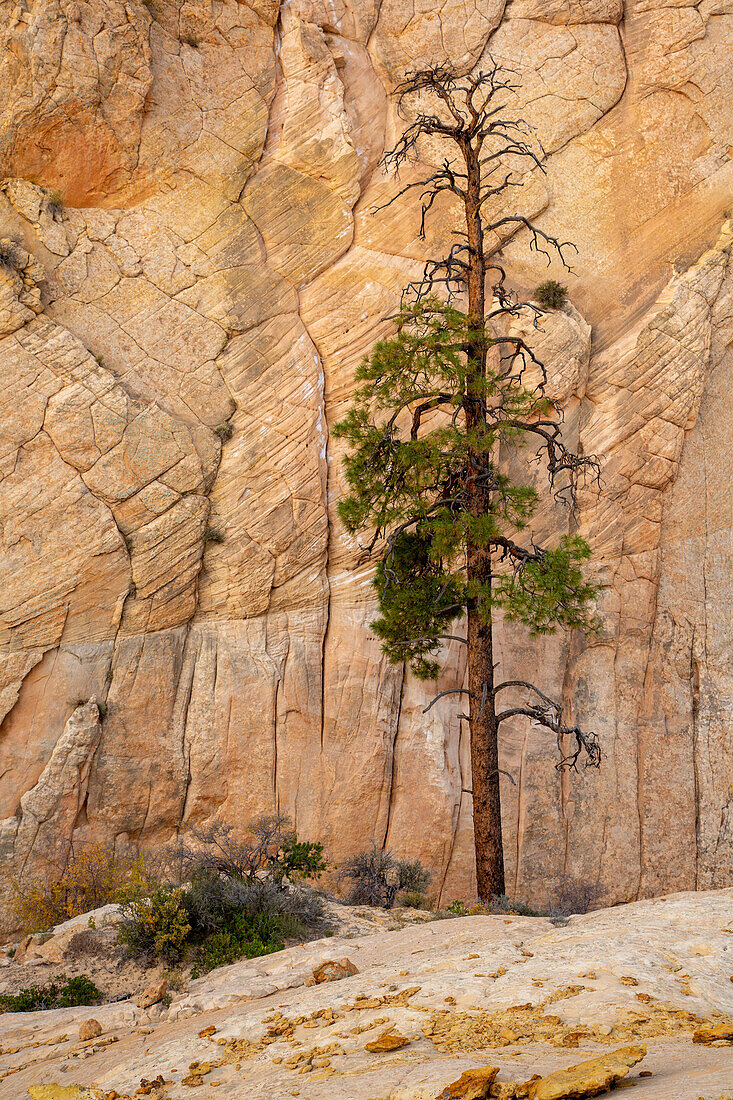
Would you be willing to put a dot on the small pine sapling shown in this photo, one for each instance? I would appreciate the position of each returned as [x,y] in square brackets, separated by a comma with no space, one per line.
[551,294]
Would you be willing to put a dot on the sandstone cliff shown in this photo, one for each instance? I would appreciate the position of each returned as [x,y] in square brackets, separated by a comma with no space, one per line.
[192,272]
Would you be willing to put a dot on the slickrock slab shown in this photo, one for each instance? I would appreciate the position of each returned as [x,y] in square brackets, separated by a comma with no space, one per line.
[518,994]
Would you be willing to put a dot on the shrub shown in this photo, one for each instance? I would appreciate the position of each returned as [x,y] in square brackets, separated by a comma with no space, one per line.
[413,876]
[213,534]
[239,899]
[574,897]
[224,431]
[377,877]
[61,992]
[500,903]
[299,859]
[9,255]
[156,926]
[246,936]
[223,917]
[84,944]
[174,977]
[214,900]
[551,294]
[234,918]
[270,848]
[95,875]
[55,204]
[413,899]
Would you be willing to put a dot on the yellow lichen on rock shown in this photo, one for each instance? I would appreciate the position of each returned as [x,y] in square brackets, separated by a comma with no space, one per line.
[473,1084]
[388,1040]
[65,1092]
[715,1033]
[588,1078]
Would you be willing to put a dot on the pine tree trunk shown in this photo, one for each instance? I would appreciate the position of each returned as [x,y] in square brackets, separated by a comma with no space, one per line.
[482,708]
[484,741]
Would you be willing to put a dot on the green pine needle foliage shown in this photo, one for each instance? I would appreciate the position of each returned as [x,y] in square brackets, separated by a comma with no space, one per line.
[408,486]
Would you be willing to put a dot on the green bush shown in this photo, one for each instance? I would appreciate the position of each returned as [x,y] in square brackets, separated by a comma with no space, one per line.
[413,876]
[246,936]
[233,918]
[156,926]
[300,859]
[221,918]
[551,294]
[61,992]
[414,899]
[213,901]
[500,903]
[240,899]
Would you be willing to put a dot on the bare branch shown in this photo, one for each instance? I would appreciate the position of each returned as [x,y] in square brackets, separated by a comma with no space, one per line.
[537,236]
[426,406]
[525,684]
[559,459]
[550,715]
[450,691]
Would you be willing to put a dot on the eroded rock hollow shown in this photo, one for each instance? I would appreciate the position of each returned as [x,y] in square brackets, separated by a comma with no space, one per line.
[192,271]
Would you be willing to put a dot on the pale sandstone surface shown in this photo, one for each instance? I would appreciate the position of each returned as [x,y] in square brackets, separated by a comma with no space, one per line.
[180,325]
[516,993]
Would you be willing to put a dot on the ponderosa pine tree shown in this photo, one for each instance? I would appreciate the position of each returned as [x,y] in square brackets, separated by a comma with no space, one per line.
[435,405]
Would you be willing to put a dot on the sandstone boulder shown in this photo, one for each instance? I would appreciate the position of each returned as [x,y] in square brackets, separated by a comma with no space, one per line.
[719,1033]
[153,994]
[333,971]
[89,1029]
[588,1078]
[387,1041]
[473,1084]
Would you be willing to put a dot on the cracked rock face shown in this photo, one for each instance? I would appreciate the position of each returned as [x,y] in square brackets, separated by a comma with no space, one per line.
[194,272]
